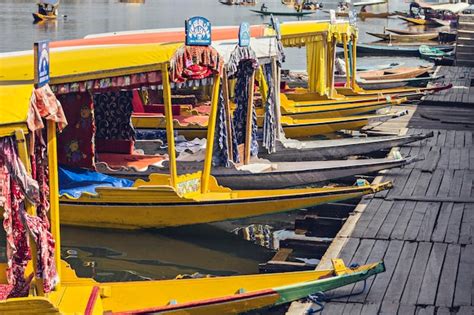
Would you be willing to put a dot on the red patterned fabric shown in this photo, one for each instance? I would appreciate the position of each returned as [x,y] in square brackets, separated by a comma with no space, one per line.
[17,183]
[43,103]
[195,62]
[75,146]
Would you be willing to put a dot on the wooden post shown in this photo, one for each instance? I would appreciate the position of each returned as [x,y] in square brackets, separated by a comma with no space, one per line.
[228,115]
[248,123]
[54,194]
[277,77]
[211,128]
[346,60]
[354,68]
[169,126]
[30,208]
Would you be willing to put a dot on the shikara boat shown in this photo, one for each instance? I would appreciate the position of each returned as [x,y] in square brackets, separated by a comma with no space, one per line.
[396,83]
[388,74]
[47,10]
[441,22]
[427,52]
[407,38]
[37,17]
[34,291]
[385,50]
[313,150]
[402,32]
[280,13]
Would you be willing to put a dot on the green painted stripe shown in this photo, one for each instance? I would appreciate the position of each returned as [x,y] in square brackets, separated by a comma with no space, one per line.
[297,291]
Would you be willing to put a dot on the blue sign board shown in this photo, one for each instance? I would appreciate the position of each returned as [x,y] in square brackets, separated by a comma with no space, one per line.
[41,50]
[244,34]
[198,31]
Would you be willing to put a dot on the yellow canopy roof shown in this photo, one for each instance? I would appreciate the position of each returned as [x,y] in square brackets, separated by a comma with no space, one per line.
[299,33]
[14,105]
[87,63]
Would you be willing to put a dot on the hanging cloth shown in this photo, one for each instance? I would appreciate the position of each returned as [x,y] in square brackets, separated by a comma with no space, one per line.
[43,104]
[269,123]
[244,72]
[220,155]
[18,185]
[195,62]
[316,65]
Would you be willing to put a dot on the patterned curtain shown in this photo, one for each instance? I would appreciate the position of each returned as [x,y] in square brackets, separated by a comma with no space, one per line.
[244,72]
[269,123]
[220,156]
[113,112]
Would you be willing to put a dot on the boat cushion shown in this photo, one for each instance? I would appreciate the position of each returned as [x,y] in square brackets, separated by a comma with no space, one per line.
[114,146]
[139,162]
[75,181]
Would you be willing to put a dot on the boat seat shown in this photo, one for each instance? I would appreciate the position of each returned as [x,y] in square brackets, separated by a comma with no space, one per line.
[136,161]
[257,167]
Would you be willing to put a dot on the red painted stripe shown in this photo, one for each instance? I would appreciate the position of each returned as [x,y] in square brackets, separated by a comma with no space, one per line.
[92,299]
[159,37]
[225,299]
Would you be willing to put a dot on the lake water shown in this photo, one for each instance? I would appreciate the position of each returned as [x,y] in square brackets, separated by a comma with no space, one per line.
[119,255]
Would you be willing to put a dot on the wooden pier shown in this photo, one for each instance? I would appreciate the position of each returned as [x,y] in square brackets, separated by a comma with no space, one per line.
[423,228]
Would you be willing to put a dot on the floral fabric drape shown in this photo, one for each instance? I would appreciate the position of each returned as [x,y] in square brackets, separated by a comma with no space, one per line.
[18,187]
[269,123]
[244,72]
[195,62]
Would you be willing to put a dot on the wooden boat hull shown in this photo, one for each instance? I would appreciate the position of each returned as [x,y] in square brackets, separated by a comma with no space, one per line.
[408,92]
[37,17]
[210,295]
[261,174]
[294,128]
[152,205]
[406,38]
[396,83]
[401,73]
[297,14]
[314,150]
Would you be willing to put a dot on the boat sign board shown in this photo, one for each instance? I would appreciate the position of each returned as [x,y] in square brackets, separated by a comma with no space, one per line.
[244,34]
[198,31]
[41,53]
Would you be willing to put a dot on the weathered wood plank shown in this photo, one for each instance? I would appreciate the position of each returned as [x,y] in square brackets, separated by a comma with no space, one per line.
[445,183]
[454,159]
[456,184]
[435,182]
[416,221]
[428,310]
[349,249]
[366,217]
[400,276]
[443,162]
[411,183]
[387,226]
[381,281]
[422,184]
[370,309]
[417,272]
[467,182]
[465,277]
[466,234]
[464,159]
[403,220]
[378,219]
[459,138]
[400,179]
[443,311]
[441,138]
[439,232]
[471,159]
[352,309]
[429,221]
[389,308]
[334,308]
[406,309]
[430,281]
[377,254]
[448,276]
[432,160]
[454,224]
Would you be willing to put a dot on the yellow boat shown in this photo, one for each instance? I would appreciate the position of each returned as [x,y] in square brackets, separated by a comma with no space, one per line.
[413,20]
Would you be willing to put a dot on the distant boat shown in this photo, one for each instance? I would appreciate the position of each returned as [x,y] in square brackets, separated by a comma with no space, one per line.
[405,37]
[386,50]
[47,10]
[298,14]
[416,21]
[427,52]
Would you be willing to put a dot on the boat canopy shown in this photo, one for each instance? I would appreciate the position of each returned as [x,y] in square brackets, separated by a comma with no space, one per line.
[88,63]
[451,7]
[54,3]
[14,106]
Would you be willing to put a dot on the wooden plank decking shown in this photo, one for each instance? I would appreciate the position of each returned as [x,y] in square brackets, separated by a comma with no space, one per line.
[423,228]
